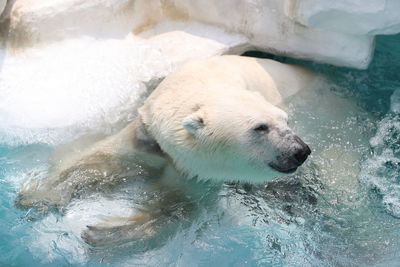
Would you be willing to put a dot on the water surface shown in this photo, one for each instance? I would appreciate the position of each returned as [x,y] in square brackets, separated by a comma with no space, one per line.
[341,209]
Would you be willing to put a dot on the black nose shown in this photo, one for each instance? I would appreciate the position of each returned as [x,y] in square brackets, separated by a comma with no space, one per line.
[302,153]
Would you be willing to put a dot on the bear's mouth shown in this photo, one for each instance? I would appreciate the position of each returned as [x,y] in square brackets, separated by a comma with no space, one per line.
[283,170]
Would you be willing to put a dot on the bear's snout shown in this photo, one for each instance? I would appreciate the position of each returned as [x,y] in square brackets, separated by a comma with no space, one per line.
[292,155]
[302,151]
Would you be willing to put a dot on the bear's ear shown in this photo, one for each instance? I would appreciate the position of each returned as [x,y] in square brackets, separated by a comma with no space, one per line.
[193,122]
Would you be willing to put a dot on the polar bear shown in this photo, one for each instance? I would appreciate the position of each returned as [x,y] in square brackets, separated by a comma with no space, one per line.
[216,118]
[211,118]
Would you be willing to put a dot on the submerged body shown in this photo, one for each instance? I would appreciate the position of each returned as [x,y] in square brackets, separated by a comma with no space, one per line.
[215,119]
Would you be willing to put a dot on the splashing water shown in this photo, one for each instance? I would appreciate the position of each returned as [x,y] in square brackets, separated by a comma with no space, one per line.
[326,214]
[382,171]
[64,88]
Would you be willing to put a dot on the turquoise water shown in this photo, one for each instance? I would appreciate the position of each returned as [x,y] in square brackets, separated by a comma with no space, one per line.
[341,209]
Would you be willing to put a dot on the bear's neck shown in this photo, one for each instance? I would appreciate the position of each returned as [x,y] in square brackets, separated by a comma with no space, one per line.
[142,140]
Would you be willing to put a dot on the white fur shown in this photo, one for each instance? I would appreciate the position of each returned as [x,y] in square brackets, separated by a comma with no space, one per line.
[202,120]
[202,116]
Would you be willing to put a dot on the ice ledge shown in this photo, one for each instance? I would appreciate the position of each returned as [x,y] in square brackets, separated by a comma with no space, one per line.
[336,32]
[355,17]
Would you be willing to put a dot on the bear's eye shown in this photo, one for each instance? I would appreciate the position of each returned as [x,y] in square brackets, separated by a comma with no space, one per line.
[261,128]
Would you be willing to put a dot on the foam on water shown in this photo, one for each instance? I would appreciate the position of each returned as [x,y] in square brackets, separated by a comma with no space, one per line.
[49,94]
[382,171]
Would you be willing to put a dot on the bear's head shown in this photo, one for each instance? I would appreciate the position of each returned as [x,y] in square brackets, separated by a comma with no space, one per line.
[241,137]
